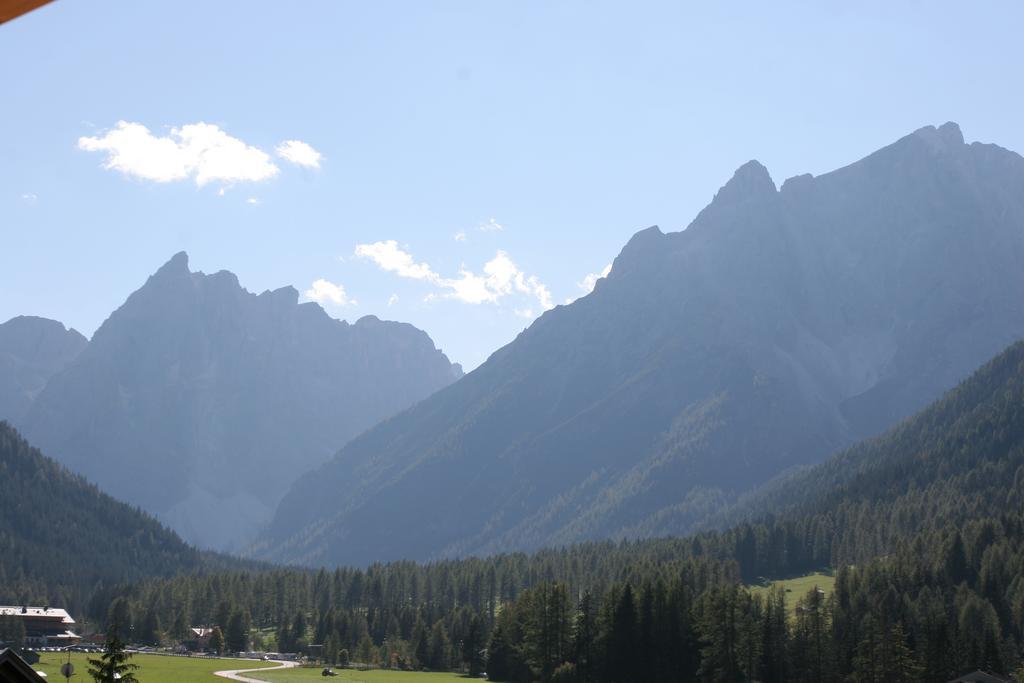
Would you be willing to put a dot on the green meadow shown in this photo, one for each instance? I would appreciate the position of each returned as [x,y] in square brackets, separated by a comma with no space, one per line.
[798,586]
[300,675]
[152,668]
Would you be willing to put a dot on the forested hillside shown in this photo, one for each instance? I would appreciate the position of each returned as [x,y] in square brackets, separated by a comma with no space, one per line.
[960,459]
[779,326]
[61,539]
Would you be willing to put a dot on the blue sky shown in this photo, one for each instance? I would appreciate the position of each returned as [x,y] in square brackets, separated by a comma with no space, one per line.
[568,125]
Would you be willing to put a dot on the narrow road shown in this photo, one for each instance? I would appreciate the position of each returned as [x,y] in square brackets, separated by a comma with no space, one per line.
[237,674]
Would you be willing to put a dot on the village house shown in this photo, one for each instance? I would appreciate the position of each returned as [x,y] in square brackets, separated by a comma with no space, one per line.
[44,626]
[198,639]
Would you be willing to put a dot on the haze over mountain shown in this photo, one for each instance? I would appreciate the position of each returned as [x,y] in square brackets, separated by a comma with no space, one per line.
[200,401]
[960,459]
[60,536]
[31,351]
[782,324]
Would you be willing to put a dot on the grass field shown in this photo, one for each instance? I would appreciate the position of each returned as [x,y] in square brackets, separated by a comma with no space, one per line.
[355,676]
[152,668]
[798,586]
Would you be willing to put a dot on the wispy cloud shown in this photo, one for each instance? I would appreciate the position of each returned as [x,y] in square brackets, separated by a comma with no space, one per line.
[490,225]
[589,282]
[499,278]
[326,292]
[392,300]
[201,152]
[30,197]
[460,236]
[390,257]
[299,153]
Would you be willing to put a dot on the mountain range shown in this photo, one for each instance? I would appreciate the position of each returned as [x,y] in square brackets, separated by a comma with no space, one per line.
[781,325]
[201,402]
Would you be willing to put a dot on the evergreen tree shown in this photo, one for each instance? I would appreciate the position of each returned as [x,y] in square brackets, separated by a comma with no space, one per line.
[472,645]
[718,636]
[440,646]
[113,665]
[149,633]
[584,639]
[620,641]
[236,635]
[179,631]
[216,643]
[120,615]
[365,651]
[285,643]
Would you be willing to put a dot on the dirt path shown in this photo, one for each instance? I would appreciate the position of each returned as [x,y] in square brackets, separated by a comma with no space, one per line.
[237,674]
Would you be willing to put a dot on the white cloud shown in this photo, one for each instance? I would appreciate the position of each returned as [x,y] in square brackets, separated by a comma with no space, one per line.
[500,278]
[491,226]
[590,281]
[392,300]
[252,201]
[388,256]
[30,197]
[460,236]
[324,291]
[299,153]
[200,151]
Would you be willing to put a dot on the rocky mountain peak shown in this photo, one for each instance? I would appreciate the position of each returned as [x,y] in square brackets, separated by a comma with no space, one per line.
[176,265]
[750,181]
[947,136]
[196,381]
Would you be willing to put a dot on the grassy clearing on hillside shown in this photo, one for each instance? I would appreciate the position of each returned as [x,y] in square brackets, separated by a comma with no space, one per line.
[152,668]
[798,586]
[355,676]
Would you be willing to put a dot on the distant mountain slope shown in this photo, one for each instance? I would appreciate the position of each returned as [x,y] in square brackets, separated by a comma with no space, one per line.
[962,458]
[60,537]
[778,327]
[31,351]
[201,402]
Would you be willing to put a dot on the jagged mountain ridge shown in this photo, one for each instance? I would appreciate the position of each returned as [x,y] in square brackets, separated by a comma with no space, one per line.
[31,351]
[200,401]
[778,327]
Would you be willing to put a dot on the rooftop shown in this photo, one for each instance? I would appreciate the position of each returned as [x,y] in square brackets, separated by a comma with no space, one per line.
[47,612]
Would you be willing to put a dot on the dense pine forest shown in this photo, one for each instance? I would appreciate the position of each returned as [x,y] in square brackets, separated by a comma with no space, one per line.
[672,610]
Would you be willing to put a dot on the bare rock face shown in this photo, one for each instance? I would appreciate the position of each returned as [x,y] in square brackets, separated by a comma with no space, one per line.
[31,351]
[778,327]
[201,402]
